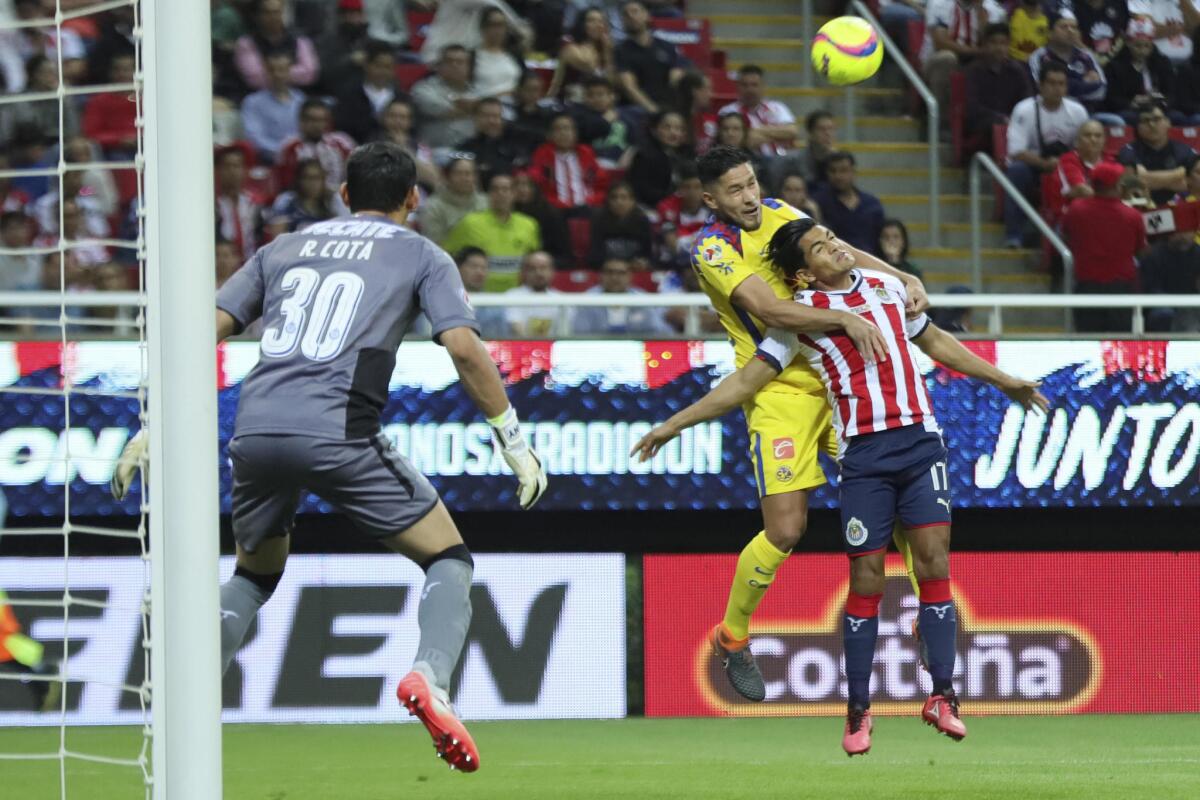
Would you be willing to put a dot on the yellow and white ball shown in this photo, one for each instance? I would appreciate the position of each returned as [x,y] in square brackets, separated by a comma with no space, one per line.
[847,50]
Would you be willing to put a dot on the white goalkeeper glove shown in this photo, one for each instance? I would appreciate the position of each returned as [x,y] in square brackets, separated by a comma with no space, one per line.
[520,457]
[132,458]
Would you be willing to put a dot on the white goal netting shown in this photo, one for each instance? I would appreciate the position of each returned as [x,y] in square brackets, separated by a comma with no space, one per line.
[60,358]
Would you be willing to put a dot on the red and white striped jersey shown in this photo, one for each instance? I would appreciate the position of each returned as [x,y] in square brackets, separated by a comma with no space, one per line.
[866,398]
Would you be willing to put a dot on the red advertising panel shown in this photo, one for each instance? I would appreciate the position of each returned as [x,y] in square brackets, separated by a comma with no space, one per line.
[1039,633]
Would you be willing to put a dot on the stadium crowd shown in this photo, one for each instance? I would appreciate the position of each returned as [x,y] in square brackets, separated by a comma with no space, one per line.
[555,139]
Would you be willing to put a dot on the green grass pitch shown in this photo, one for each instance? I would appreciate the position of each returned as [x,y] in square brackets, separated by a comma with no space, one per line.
[1125,757]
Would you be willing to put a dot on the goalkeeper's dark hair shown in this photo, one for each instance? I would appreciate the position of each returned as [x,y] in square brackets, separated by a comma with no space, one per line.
[719,160]
[379,177]
[785,251]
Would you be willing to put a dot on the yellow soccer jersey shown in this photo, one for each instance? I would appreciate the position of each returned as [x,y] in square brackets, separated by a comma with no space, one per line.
[723,257]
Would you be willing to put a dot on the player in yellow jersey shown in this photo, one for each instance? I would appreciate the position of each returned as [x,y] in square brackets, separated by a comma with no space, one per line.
[789,419]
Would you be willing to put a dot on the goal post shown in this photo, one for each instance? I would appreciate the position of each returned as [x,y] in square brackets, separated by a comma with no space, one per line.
[183,483]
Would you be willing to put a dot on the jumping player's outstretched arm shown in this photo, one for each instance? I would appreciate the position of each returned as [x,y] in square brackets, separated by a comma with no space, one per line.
[481,380]
[946,350]
[729,394]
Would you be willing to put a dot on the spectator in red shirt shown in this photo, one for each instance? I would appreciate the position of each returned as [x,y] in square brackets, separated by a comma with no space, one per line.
[1072,177]
[566,171]
[109,117]
[318,141]
[1105,236]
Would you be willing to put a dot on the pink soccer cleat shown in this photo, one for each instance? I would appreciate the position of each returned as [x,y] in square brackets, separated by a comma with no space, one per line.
[856,740]
[430,705]
[941,711]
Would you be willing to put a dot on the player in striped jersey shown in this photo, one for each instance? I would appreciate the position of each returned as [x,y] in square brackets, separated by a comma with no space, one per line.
[891,455]
[788,421]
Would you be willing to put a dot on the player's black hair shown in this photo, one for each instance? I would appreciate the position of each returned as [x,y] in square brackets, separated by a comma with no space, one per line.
[1053,66]
[379,177]
[838,156]
[719,160]
[488,101]
[750,69]
[784,250]
[462,255]
[996,29]
[814,117]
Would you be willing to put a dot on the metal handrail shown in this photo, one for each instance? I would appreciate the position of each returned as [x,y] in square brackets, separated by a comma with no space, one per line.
[43,299]
[1026,208]
[694,302]
[932,116]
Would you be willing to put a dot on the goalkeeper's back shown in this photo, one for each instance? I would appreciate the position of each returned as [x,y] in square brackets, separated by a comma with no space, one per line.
[335,302]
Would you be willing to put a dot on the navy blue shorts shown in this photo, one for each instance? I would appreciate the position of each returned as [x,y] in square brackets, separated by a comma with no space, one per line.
[899,473]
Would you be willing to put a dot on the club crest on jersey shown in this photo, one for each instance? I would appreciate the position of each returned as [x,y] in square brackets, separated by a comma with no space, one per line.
[713,253]
[856,532]
[883,293]
[783,475]
[783,448]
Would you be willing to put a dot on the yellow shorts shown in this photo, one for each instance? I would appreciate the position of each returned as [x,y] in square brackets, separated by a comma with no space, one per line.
[786,432]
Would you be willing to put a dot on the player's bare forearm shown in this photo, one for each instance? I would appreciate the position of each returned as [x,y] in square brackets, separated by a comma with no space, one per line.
[728,395]
[476,370]
[950,352]
[754,295]
[226,325]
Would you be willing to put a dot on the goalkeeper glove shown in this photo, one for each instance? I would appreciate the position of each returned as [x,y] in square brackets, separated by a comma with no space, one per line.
[520,457]
[132,458]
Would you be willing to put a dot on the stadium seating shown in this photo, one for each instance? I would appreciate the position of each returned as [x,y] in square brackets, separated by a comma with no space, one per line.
[691,36]
[581,239]
[418,28]
[575,280]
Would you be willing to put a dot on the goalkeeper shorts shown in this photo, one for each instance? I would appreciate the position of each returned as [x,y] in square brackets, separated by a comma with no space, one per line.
[365,479]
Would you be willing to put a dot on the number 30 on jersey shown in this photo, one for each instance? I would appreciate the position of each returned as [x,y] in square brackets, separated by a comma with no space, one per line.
[315,315]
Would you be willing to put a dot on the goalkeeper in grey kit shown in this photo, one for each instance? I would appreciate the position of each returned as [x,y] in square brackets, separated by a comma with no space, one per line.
[335,301]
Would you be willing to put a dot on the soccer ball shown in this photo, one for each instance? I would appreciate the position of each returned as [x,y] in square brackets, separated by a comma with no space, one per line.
[847,50]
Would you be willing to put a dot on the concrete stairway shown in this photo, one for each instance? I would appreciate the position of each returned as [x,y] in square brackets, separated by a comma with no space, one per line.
[892,158]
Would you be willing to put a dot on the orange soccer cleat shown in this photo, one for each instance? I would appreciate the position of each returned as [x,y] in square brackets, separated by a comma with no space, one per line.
[430,705]
[941,711]
[856,739]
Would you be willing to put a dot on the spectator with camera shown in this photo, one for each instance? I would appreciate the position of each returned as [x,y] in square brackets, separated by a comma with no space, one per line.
[1154,156]
[1040,131]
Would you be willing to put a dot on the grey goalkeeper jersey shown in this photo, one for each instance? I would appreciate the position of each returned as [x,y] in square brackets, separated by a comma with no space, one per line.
[336,300]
